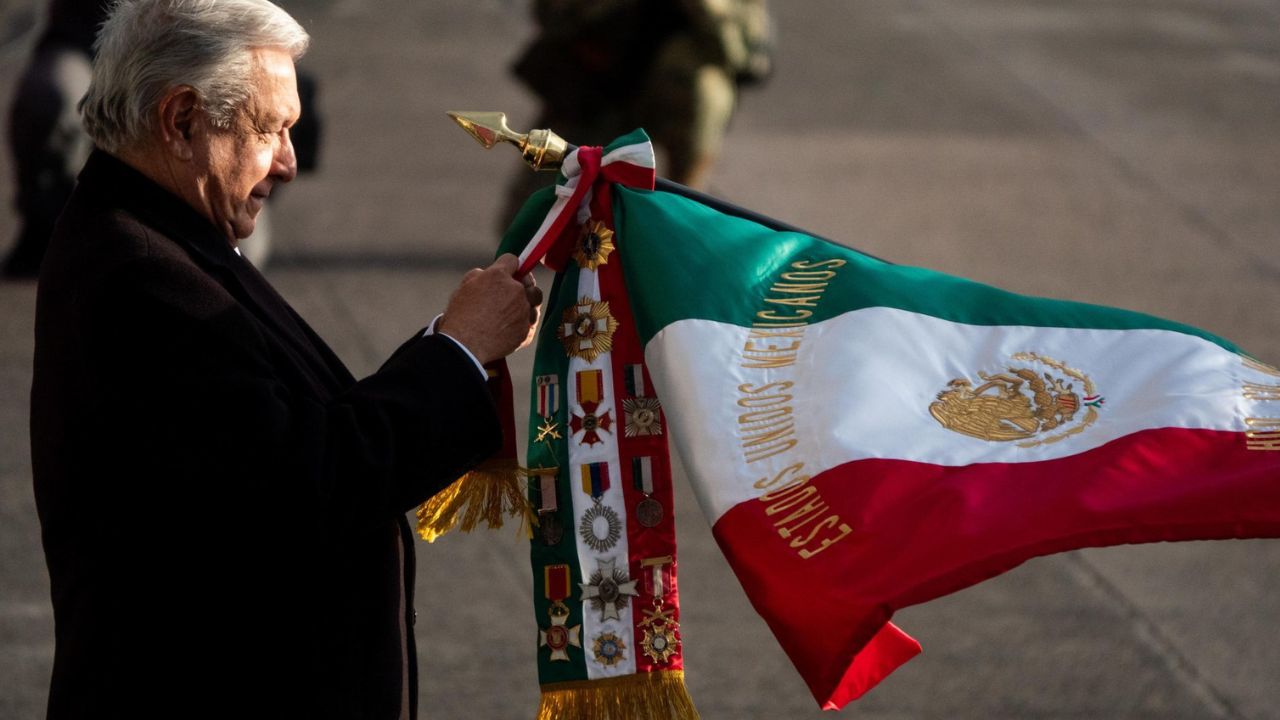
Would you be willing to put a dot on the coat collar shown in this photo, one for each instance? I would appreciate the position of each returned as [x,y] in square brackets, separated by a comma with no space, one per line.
[169,214]
[128,189]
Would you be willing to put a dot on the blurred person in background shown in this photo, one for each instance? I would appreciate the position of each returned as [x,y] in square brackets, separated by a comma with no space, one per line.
[45,140]
[603,68]
[48,145]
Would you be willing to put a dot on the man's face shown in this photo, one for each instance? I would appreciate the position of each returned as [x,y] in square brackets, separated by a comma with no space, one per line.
[240,165]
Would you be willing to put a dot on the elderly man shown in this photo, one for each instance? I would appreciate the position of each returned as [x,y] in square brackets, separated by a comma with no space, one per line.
[222,504]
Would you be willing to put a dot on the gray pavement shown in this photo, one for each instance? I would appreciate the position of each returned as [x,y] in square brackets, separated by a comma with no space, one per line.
[1125,153]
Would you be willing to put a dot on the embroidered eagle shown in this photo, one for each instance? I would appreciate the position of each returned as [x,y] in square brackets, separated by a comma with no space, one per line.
[1000,410]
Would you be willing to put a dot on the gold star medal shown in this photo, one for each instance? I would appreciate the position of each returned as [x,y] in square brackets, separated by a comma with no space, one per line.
[660,625]
[594,246]
[587,329]
[659,643]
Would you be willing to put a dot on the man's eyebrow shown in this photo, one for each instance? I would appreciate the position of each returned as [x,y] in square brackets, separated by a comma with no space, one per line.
[269,120]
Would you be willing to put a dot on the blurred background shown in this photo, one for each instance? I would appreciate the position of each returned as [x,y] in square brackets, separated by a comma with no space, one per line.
[1117,152]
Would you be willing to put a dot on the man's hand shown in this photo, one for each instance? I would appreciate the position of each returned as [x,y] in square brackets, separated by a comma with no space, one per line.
[491,312]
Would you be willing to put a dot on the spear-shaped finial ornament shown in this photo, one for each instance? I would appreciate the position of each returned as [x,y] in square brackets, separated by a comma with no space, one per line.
[545,150]
[542,149]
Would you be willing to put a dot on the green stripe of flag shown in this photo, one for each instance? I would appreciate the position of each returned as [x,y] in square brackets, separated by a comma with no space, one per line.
[684,260]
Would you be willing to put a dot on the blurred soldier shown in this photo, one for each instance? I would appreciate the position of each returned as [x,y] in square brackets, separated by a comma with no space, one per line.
[49,146]
[605,67]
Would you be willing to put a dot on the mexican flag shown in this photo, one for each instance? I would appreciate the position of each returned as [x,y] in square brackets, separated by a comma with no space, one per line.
[864,436]
[861,436]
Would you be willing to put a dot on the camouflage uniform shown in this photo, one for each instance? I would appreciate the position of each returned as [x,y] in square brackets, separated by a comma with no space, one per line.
[605,67]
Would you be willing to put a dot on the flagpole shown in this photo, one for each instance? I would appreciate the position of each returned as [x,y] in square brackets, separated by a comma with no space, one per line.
[545,150]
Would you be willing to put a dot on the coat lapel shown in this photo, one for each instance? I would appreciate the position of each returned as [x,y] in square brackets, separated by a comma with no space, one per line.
[269,306]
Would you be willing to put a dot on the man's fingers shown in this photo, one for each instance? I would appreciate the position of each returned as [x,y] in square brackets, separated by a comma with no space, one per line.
[492,312]
[471,274]
[507,263]
[534,295]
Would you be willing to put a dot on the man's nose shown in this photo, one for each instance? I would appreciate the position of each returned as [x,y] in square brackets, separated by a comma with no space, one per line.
[285,164]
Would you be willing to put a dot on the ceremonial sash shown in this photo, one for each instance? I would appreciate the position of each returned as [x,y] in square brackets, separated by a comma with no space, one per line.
[603,553]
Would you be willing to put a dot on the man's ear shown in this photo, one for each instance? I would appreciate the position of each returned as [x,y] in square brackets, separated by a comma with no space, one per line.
[180,114]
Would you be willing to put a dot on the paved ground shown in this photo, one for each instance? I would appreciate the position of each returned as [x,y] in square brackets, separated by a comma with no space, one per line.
[1126,153]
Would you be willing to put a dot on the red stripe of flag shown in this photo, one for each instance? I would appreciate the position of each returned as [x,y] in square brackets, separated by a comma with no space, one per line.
[918,531]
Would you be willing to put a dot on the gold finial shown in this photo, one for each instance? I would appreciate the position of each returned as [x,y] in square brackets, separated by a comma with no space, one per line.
[542,149]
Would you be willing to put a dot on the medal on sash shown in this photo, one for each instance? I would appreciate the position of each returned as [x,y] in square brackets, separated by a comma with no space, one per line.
[550,528]
[659,624]
[649,511]
[600,528]
[609,589]
[558,636]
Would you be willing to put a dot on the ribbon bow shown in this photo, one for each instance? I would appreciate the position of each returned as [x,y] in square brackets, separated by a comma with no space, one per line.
[585,172]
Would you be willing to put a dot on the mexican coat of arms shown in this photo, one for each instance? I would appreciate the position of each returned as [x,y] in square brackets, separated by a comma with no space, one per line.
[1034,402]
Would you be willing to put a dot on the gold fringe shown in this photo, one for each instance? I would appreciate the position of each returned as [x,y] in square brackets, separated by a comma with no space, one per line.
[641,696]
[489,492]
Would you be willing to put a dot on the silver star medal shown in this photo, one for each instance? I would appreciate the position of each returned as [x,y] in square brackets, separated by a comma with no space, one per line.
[609,590]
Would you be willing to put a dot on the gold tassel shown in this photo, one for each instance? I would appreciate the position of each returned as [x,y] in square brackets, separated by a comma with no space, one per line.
[630,697]
[487,493]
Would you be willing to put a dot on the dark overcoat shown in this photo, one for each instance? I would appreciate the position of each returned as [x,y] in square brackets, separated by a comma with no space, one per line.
[222,503]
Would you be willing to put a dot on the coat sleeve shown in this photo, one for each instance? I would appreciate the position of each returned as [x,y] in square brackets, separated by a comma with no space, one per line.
[199,395]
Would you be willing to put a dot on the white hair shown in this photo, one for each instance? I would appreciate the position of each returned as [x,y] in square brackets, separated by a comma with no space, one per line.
[147,47]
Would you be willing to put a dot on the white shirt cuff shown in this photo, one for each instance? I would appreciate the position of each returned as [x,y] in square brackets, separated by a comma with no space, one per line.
[431,330]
